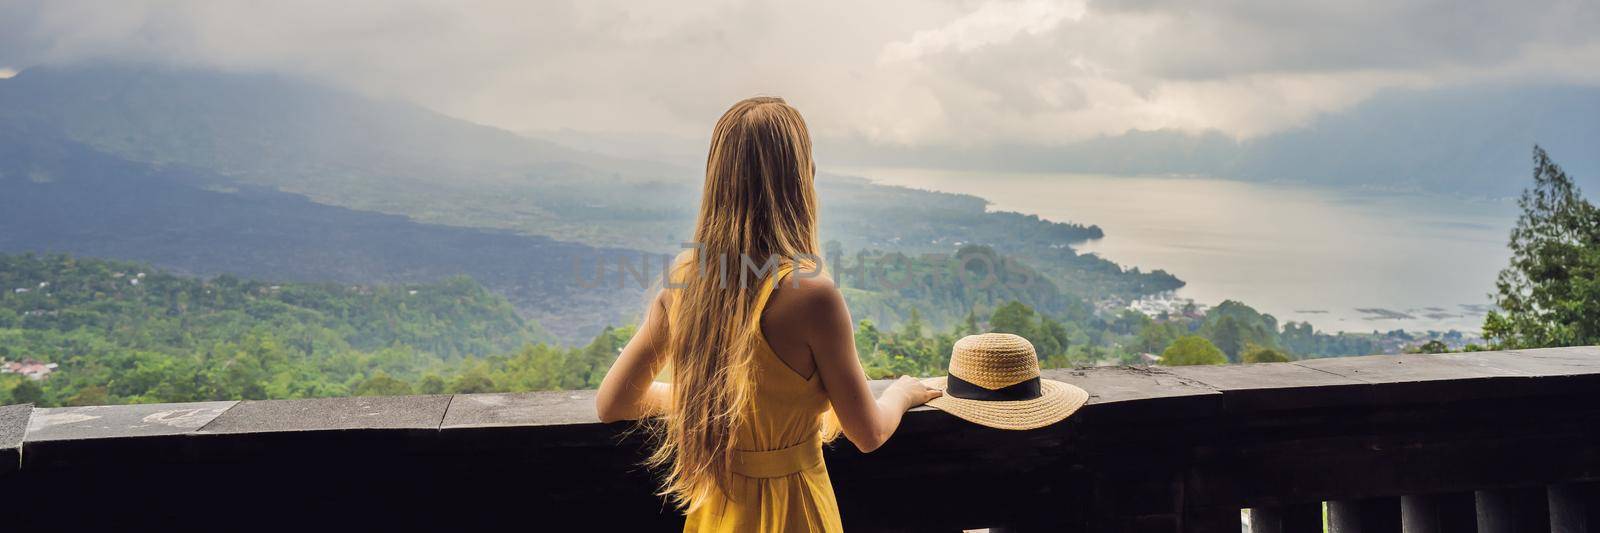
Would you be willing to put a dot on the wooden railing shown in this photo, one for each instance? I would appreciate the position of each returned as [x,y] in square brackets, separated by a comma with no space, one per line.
[1488,441]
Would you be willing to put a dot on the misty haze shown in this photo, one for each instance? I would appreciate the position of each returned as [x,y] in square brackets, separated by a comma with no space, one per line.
[1330,198]
[1072,265]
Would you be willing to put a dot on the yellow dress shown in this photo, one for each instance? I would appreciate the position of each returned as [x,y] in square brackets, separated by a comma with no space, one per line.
[780,482]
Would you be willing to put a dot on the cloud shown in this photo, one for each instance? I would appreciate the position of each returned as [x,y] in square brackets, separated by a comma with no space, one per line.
[1211,39]
[898,73]
[991,23]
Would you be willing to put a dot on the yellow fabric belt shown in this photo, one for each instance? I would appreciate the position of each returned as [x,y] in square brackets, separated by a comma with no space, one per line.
[778,463]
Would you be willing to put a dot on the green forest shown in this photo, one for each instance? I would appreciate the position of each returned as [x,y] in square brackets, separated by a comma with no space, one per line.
[126,333]
[331,185]
[122,332]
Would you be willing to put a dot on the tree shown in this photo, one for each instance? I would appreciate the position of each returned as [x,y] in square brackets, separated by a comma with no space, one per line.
[1233,326]
[832,253]
[969,326]
[1550,293]
[431,384]
[1052,337]
[1261,354]
[1192,350]
[91,395]
[868,337]
[472,382]
[1433,346]
[1225,333]
[27,391]
[1129,321]
[381,384]
[1156,336]
[913,327]
[1013,317]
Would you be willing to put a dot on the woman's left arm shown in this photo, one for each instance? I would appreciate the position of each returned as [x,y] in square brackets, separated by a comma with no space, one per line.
[628,391]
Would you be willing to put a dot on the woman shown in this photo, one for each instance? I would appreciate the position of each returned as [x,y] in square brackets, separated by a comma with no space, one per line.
[756,358]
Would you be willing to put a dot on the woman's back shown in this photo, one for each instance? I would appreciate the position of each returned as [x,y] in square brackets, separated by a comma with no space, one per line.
[753,368]
[780,482]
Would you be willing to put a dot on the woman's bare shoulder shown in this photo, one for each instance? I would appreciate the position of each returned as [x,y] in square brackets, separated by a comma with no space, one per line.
[662,301]
[804,311]
[811,297]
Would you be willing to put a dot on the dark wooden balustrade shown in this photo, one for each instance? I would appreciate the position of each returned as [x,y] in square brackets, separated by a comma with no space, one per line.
[1489,441]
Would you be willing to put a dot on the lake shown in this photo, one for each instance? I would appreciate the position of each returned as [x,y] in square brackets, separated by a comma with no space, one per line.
[1343,260]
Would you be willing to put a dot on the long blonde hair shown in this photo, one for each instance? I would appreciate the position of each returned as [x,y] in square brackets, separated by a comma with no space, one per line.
[759,204]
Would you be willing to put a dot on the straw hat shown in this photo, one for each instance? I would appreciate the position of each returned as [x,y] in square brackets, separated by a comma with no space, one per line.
[994,381]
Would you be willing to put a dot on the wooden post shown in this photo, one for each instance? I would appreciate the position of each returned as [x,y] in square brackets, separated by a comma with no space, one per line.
[1575,508]
[1295,518]
[1371,515]
[1216,520]
[1439,513]
[1513,511]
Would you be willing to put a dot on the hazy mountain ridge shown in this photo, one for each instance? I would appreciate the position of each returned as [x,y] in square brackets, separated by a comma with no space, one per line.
[342,149]
[208,173]
[347,150]
[1472,142]
[277,130]
[60,196]
[1465,141]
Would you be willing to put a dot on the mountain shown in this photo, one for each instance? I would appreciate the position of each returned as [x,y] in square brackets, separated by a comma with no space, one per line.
[113,332]
[258,175]
[61,196]
[347,150]
[279,131]
[132,302]
[1472,141]
[343,149]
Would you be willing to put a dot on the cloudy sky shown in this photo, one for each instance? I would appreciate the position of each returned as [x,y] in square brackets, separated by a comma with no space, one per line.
[922,73]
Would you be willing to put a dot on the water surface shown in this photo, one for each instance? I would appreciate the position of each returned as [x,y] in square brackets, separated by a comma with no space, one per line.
[1343,260]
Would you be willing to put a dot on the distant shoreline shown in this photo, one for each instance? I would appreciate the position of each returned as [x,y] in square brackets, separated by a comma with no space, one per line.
[1361,225]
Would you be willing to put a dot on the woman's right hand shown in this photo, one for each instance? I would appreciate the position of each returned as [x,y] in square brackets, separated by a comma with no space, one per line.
[910,392]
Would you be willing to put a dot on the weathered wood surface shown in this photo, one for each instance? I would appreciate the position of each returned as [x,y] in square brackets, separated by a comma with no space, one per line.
[1155,449]
[1368,515]
[13,426]
[1575,507]
[1439,513]
[1518,510]
[1296,518]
